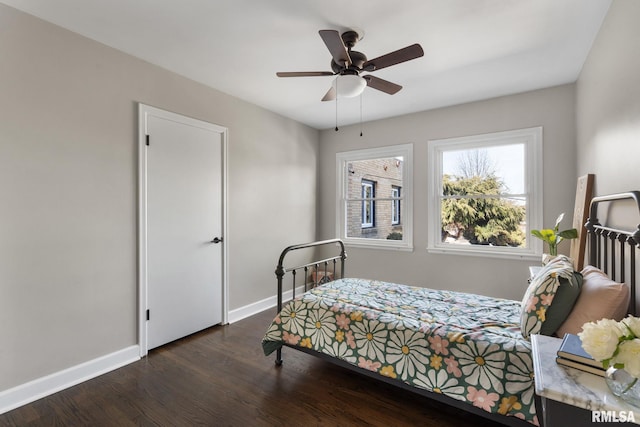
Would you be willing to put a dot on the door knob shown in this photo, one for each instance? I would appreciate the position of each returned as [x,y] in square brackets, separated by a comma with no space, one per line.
[216,240]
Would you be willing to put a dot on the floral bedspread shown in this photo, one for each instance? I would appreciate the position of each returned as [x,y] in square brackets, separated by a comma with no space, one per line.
[466,346]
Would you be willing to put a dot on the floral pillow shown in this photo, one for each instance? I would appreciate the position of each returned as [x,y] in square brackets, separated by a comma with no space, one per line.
[556,281]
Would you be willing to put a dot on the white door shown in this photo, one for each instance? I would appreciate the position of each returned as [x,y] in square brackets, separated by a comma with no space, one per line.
[184,225]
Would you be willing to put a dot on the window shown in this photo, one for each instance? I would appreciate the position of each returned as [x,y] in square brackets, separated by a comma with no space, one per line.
[373,208]
[368,203]
[395,205]
[486,194]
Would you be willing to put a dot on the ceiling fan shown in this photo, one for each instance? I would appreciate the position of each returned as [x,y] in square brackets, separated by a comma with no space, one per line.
[347,64]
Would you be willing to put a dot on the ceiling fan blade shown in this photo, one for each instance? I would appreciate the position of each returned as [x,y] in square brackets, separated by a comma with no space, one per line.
[334,43]
[304,73]
[382,84]
[330,95]
[401,55]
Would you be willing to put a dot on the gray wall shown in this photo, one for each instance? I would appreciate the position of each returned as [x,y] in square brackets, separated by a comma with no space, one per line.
[551,108]
[608,110]
[608,103]
[68,186]
[68,181]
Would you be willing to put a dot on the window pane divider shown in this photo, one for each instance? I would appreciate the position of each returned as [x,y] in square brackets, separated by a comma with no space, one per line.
[374,199]
[483,196]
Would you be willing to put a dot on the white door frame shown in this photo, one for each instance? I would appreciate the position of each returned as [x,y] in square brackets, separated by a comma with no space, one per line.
[145,111]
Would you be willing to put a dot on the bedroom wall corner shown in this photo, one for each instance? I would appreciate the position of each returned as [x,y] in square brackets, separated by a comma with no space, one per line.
[608,103]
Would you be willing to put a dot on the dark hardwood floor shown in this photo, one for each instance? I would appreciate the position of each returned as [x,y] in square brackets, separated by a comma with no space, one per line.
[220,377]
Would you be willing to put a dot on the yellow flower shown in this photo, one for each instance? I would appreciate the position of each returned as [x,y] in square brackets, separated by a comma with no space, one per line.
[306,342]
[356,316]
[339,335]
[436,361]
[509,403]
[387,371]
[542,314]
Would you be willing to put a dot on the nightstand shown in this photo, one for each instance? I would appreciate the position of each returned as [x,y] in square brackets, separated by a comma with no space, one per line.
[567,396]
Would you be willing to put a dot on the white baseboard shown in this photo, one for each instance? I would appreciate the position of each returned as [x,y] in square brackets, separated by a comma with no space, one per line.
[262,305]
[42,387]
[45,386]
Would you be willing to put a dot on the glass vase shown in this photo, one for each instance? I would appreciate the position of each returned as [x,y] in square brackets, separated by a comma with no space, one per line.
[623,385]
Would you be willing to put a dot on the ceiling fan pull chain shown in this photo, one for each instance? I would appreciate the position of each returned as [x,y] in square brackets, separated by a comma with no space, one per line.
[336,105]
[360,114]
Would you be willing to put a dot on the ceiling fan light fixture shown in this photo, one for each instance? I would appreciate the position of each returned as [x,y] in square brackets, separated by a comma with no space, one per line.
[349,85]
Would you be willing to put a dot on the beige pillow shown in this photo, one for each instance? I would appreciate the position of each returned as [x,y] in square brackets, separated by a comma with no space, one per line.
[600,298]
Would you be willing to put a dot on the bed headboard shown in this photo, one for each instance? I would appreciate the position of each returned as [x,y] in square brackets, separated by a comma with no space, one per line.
[613,249]
[314,272]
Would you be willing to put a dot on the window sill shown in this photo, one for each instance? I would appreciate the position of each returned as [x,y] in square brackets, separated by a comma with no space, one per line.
[406,247]
[485,253]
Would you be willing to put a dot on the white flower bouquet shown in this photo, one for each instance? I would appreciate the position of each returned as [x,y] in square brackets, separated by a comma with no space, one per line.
[615,344]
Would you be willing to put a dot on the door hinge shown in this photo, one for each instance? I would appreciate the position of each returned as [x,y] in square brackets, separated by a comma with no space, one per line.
[147,139]
[147,314]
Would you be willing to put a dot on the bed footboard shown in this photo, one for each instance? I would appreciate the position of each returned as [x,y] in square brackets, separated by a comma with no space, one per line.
[313,273]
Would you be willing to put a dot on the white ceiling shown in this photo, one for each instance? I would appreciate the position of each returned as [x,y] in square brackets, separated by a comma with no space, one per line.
[474,49]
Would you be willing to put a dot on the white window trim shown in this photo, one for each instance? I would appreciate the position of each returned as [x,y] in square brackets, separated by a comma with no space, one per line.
[396,212]
[372,203]
[532,137]
[342,161]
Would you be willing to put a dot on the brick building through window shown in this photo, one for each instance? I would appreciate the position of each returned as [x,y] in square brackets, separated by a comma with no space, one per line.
[374,198]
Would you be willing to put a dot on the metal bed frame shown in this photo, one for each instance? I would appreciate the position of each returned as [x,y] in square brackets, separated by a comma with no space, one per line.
[327,265]
[602,245]
[602,254]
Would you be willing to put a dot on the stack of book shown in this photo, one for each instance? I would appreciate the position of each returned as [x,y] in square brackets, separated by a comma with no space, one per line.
[573,355]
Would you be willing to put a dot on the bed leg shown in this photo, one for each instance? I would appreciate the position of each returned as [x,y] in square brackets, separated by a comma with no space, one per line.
[279,357]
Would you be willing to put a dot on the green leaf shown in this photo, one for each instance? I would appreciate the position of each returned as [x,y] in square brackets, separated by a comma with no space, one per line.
[546,235]
[569,234]
[537,234]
